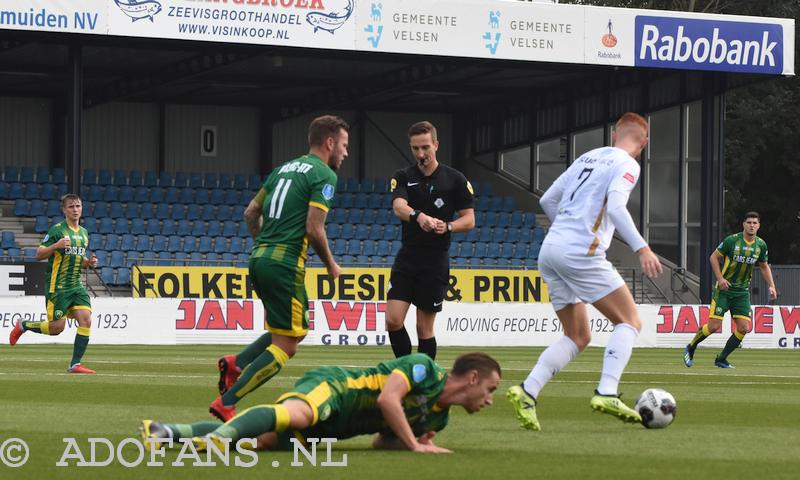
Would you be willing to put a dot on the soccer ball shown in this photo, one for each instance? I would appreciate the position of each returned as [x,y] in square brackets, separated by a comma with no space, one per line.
[657,408]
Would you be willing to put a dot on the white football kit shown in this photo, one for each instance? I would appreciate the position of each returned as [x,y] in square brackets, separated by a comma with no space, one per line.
[584,204]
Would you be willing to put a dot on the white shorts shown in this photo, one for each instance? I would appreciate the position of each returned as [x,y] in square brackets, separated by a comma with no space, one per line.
[573,278]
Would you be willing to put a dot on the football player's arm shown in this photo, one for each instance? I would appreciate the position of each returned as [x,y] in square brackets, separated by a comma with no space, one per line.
[252,214]
[465,221]
[390,401]
[45,251]
[551,198]
[715,258]
[766,272]
[315,228]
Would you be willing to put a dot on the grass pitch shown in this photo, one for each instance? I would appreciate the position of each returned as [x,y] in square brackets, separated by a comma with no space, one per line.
[740,423]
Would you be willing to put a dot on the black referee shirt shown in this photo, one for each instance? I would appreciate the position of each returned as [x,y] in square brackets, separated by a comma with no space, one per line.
[441,195]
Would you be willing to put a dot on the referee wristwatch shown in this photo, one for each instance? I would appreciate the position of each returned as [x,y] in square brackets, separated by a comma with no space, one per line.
[449,227]
[412,217]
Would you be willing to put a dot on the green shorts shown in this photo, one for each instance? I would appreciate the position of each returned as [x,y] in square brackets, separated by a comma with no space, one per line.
[320,390]
[724,300]
[282,290]
[63,303]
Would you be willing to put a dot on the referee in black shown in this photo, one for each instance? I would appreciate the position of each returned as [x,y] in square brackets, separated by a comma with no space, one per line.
[425,198]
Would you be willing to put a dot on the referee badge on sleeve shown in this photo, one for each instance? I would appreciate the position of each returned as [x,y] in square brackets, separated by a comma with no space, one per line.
[393,185]
[469,187]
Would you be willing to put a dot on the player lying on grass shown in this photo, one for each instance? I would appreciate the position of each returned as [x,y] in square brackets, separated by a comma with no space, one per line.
[403,401]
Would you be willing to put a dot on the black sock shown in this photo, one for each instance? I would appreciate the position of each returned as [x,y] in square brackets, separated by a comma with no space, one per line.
[428,347]
[401,343]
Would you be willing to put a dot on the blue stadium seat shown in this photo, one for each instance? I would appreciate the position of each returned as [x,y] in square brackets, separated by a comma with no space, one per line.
[42,174]
[396,244]
[105,225]
[369,216]
[186,195]
[240,182]
[162,211]
[29,253]
[100,209]
[181,179]
[195,258]
[221,245]
[243,231]
[117,259]
[503,219]
[159,243]
[16,190]
[210,180]
[228,212]
[384,216]
[352,184]
[489,262]
[248,244]
[167,258]
[174,243]
[534,250]
[254,183]
[355,215]
[354,248]
[490,219]
[529,219]
[95,240]
[89,177]
[507,250]
[189,244]
[201,196]
[363,261]
[135,178]
[143,243]
[485,234]
[147,258]
[131,210]
[141,194]
[369,247]
[498,235]
[11,174]
[123,276]
[217,197]
[4,187]
[171,195]
[472,235]
[207,212]
[455,249]
[460,261]
[517,219]
[49,191]
[107,275]
[37,208]
[121,226]
[165,179]
[521,250]
[391,232]
[104,177]
[192,211]
[41,225]
[27,175]
[482,203]
[508,204]
[128,242]
[381,185]
[95,193]
[242,260]
[481,250]
[339,246]
[212,259]
[120,177]
[538,235]
[343,200]
[198,229]
[116,210]
[232,197]
[112,242]
[513,235]
[214,228]
[156,194]
[348,231]
[362,231]
[147,211]
[102,256]
[348,260]
[33,190]
[184,227]
[466,249]
[503,262]
[237,245]
[225,181]
[361,200]
[195,180]
[493,250]
[228,258]
[245,197]
[126,194]
[8,240]
[229,228]
[339,216]
[90,224]
[153,227]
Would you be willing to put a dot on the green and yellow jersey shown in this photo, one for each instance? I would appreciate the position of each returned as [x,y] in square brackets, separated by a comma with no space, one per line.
[346,400]
[64,265]
[285,198]
[740,258]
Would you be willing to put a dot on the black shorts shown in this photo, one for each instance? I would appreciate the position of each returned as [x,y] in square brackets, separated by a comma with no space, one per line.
[420,277]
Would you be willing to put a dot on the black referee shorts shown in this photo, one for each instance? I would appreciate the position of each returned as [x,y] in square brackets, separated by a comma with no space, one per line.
[420,277]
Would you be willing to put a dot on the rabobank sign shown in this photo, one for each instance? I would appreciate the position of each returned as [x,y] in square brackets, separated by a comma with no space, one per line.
[684,43]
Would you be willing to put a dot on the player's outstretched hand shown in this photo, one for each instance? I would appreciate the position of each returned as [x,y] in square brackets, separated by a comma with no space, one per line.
[430,448]
[723,284]
[64,242]
[334,270]
[651,266]
[93,261]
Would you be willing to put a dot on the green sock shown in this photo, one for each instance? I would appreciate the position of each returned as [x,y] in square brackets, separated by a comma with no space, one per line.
[701,335]
[79,348]
[730,346]
[264,367]
[254,421]
[253,350]
[199,429]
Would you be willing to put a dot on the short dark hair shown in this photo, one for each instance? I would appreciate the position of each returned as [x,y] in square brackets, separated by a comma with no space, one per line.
[421,128]
[70,196]
[324,127]
[479,361]
[752,214]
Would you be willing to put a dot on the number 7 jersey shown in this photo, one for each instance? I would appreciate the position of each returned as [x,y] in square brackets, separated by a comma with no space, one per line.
[291,189]
[581,225]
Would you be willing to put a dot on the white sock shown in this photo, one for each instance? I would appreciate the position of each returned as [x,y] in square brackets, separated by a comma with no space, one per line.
[551,361]
[615,358]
